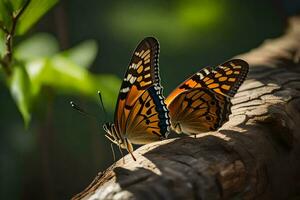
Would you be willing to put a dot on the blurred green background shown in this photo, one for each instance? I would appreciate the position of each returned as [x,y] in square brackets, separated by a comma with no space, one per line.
[85,46]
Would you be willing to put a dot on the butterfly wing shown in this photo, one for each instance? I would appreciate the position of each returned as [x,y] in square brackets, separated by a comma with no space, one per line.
[148,120]
[221,83]
[199,110]
[141,76]
[224,79]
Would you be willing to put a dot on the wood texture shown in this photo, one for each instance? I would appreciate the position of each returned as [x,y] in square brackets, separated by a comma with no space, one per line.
[256,155]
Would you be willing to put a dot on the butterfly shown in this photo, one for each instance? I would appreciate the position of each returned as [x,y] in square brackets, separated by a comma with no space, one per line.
[141,115]
[202,103]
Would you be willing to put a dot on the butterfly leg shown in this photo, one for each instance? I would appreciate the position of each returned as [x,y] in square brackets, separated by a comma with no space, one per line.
[115,141]
[113,152]
[111,138]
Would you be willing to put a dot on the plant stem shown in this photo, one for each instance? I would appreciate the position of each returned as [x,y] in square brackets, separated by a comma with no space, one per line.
[7,58]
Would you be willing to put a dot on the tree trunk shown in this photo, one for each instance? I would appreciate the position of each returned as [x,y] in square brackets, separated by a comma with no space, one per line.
[256,155]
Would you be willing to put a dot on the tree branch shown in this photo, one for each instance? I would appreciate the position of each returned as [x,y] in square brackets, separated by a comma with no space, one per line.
[256,155]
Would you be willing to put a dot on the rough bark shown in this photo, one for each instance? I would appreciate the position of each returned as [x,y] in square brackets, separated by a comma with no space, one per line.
[256,155]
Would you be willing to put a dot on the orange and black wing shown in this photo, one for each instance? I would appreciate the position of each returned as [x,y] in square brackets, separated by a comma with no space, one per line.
[199,110]
[224,79]
[221,83]
[142,74]
[148,119]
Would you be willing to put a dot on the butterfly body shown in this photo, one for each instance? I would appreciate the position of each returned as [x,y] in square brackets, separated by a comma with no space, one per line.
[202,103]
[141,115]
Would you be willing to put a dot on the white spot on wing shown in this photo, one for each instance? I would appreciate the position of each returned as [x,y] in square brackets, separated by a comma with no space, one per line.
[200,75]
[206,71]
[124,90]
[132,79]
[128,77]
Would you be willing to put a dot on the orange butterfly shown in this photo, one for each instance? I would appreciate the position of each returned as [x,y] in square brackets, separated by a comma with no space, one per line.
[202,102]
[141,115]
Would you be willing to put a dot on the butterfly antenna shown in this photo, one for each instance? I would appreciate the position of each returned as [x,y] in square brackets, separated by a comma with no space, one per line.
[102,105]
[81,110]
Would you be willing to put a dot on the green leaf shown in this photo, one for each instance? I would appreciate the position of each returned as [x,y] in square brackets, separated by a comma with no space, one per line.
[19,85]
[8,6]
[38,46]
[109,86]
[35,10]
[5,15]
[83,54]
[36,69]
[68,78]
[17,4]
